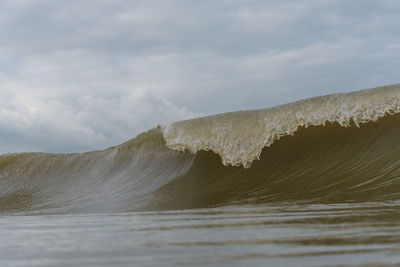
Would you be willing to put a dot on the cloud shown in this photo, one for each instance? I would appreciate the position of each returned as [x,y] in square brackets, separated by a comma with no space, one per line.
[83,75]
[91,124]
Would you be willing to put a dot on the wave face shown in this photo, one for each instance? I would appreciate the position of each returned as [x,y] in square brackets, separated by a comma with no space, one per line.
[336,148]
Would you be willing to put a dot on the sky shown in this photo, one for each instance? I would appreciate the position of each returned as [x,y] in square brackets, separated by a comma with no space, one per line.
[81,75]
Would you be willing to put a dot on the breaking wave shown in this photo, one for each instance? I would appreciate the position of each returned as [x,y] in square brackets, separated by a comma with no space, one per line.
[335,148]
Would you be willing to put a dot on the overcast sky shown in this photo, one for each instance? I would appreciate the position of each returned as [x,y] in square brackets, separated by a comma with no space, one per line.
[83,75]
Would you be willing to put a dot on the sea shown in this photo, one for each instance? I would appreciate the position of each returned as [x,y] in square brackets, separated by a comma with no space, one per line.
[310,183]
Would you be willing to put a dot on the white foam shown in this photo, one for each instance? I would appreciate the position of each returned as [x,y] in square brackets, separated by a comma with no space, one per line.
[239,137]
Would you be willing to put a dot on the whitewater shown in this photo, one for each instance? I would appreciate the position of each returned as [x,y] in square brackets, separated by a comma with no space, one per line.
[316,178]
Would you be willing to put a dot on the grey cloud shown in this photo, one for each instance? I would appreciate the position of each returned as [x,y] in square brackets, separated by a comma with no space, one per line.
[93,123]
[81,75]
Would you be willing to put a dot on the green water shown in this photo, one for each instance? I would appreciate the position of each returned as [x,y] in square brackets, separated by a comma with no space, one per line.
[326,196]
[366,234]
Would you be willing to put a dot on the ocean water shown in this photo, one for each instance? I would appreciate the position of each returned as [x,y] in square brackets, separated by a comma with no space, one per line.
[284,234]
[310,183]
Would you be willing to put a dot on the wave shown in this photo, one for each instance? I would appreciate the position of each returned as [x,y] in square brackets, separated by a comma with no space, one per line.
[239,137]
[335,148]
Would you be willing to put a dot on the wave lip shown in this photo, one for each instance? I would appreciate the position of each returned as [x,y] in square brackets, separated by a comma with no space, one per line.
[239,137]
[323,163]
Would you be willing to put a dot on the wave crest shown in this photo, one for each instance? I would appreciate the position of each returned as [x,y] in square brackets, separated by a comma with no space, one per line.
[239,137]
[322,162]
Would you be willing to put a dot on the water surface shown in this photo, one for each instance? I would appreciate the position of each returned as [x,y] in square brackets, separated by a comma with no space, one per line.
[366,234]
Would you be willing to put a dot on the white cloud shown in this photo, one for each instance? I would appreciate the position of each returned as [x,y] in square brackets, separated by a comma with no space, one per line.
[92,123]
[82,75]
